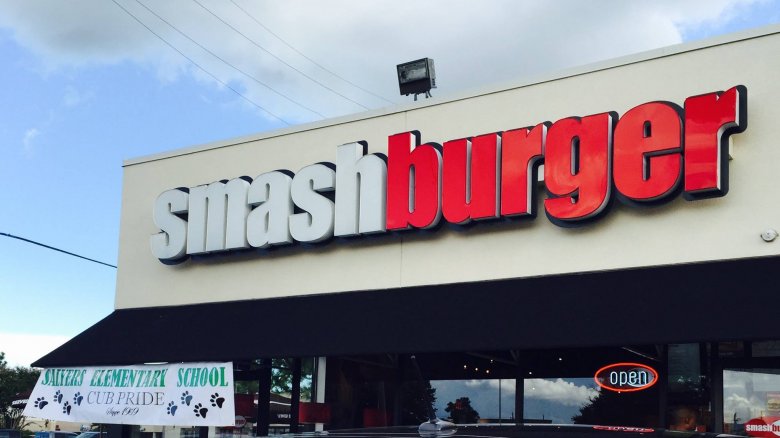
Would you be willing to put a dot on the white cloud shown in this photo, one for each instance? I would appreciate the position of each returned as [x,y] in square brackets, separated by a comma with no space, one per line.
[22,349]
[73,97]
[28,140]
[473,43]
[560,391]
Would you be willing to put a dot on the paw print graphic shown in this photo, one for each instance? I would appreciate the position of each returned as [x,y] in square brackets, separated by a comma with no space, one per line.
[40,402]
[216,400]
[200,411]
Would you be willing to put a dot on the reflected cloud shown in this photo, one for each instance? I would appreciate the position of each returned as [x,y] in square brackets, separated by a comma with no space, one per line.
[559,390]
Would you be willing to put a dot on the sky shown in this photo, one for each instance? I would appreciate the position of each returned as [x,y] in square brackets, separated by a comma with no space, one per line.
[87,84]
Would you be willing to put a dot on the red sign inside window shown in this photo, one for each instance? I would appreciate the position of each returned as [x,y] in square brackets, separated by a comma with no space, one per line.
[768,427]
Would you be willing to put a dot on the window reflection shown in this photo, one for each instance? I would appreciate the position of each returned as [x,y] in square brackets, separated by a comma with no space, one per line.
[750,395]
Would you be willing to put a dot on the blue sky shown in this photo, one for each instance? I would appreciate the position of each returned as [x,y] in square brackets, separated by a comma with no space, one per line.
[83,86]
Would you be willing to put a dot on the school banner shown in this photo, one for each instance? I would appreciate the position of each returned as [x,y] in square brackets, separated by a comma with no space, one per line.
[190,394]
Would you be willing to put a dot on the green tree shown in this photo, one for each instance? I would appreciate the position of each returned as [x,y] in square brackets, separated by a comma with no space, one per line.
[417,399]
[13,383]
[461,411]
[611,408]
[281,376]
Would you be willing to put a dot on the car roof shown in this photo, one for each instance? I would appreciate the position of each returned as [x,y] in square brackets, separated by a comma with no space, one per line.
[517,431]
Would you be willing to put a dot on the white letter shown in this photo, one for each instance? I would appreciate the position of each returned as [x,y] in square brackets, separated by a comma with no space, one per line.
[361,191]
[316,224]
[266,224]
[217,216]
[170,244]
[237,212]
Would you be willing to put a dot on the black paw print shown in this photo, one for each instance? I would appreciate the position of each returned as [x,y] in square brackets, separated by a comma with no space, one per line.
[40,402]
[78,398]
[58,396]
[172,408]
[216,400]
[200,411]
[186,398]
[66,408]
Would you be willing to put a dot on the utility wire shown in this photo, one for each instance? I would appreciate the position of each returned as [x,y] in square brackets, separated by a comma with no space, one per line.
[199,66]
[306,57]
[226,62]
[55,249]
[276,57]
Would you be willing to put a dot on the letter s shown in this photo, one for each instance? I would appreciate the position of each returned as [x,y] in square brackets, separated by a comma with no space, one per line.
[170,244]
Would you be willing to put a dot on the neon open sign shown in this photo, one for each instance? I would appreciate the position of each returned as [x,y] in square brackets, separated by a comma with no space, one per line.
[626,377]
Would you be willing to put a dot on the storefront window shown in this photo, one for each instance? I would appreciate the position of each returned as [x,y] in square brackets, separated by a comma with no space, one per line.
[751,400]
[473,401]
[688,406]
[766,349]
[188,432]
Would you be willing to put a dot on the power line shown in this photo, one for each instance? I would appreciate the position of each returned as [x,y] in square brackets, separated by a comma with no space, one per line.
[199,66]
[278,58]
[228,63]
[306,57]
[55,249]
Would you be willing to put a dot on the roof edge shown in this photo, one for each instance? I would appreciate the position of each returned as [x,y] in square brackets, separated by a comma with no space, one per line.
[648,55]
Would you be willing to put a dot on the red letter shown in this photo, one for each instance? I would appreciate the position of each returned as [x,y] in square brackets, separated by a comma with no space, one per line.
[413,182]
[470,179]
[647,160]
[521,153]
[709,120]
[577,168]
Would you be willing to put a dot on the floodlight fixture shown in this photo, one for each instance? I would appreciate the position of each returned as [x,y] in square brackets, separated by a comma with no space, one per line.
[416,77]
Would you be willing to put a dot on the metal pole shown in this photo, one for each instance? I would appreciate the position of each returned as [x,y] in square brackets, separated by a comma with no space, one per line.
[295,394]
[264,398]
[499,401]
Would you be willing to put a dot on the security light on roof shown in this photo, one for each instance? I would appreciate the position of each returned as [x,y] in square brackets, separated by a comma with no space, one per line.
[416,77]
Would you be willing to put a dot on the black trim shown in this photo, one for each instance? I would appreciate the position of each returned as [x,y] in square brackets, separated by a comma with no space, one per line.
[712,301]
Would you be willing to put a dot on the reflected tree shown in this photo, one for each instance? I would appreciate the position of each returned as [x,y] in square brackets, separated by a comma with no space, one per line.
[461,411]
[611,408]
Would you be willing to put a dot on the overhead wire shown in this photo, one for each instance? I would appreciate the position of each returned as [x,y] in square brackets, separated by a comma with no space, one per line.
[56,249]
[253,18]
[255,104]
[229,63]
[253,42]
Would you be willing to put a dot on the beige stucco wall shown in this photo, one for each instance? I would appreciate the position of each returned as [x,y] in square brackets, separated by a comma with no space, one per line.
[678,232]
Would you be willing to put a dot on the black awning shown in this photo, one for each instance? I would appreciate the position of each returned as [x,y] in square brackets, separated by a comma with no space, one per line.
[724,300]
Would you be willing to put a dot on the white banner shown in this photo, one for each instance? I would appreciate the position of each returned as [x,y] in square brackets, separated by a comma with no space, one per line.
[190,394]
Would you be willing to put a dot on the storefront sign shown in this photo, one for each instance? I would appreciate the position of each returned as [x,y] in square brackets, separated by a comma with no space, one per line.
[626,377]
[647,156]
[193,394]
[19,403]
[767,427]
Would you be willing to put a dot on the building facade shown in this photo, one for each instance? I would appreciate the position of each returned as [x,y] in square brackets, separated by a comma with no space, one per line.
[538,232]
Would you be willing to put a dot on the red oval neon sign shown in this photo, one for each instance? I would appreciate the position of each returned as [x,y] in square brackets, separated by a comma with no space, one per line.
[626,377]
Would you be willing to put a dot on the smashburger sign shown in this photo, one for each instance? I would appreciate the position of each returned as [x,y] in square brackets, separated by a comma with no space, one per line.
[649,155]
